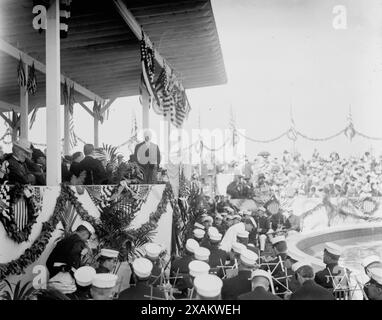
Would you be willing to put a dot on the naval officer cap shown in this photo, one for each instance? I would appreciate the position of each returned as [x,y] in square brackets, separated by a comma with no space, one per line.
[153,250]
[369,260]
[299,264]
[238,247]
[84,276]
[243,234]
[192,245]
[333,249]
[202,254]
[237,217]
[212,230]
[208,285]
[198,233]
[88,226]
[142,267]
[104,280]
[197,268]
[376,274]
[248,257]
[208,219]
[198,225]
[261,273]
[278,239]
[109,253]
[215,237]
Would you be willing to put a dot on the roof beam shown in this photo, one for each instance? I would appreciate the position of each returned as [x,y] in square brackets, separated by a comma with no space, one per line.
[6,119]
[83,105]
[107,106]
[9,106]
[16,53]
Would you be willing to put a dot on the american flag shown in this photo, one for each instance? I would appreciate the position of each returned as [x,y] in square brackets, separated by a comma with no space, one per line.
[33,118]
[21,78]
[32,80]
[68,96]
[97,111]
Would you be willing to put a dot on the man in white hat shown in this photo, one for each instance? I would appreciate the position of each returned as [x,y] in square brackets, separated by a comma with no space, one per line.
[373,288]
[207,222]
[107,260]
[14,168]
[332,254]
[84,279]
[198,235]
[69,250]
[104,286]
[309,289]
[235,286]
[153,252]
[196,268]
[208,287]
[142,268]
[218,257]
[202,254]
[280,265]
[261,283]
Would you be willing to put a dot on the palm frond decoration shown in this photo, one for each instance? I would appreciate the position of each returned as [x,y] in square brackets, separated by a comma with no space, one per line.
[128,170]
[17,292]
[67,218]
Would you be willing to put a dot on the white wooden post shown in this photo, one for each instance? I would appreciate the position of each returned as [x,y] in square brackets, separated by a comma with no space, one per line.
[53,90]
[66,131]
[96,132]
[24,111]
[145,117]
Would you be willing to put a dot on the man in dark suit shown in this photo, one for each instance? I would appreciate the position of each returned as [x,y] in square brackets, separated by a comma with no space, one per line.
[142,268]
[261,281]
[95,171]
[68,251]
[309,289]
[233,287]
[147,155]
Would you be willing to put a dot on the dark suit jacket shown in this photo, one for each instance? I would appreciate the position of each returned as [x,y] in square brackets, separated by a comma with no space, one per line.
[67,251]
[17,171]
[233,287]
[144,155]
[140,291]
[259,293]
[95,172]
[312,291]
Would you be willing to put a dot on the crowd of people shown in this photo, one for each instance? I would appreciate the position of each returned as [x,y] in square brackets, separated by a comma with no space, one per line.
[292,175]
[227,256]
[27,165]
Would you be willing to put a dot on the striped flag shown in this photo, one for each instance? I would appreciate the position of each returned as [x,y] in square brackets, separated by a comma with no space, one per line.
[68,97]
[21,78]
[32,80]
[33,118]
[97,111]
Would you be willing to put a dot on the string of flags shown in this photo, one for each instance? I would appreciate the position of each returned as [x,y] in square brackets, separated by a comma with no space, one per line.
[68,97]
[164,92]
[30,82]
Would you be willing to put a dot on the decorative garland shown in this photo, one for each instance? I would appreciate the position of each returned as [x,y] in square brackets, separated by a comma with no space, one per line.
[7,217]
[17,266]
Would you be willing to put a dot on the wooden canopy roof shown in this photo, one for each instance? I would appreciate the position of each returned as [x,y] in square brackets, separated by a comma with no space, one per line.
[102,54]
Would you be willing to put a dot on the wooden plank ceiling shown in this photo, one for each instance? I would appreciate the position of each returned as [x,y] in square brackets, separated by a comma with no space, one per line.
[102,54]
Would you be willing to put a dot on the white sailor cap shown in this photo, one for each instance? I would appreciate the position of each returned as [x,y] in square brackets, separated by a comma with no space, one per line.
[88,226]
[261,273]
[197,268]
[105,280]
[238,247]
[108,253]
[84,276]
[243,234]
[208,285]
[142,267]
[236,216]
[212,230]
[376,274]
[198,225]
[198,233]
[202,253]
[248,257]
[208,218]
[369,260]
[333,248]
[153,250]
[229,217]
[63,282]
[192,245]
[278,239]
[297,265]
[215,236]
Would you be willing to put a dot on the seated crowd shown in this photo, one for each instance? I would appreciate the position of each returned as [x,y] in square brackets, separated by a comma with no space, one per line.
[226,256]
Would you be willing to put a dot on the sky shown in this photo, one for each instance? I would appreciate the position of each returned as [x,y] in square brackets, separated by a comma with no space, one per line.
[282,57]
